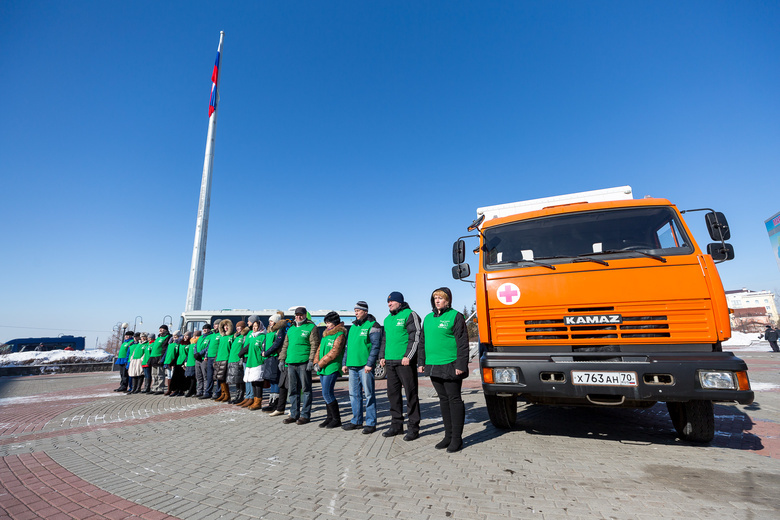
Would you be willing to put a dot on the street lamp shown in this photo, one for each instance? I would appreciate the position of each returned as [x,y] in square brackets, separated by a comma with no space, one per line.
[135,329]
[169,318]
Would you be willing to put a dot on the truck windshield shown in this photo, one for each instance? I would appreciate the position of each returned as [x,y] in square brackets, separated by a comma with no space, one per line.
[647,231]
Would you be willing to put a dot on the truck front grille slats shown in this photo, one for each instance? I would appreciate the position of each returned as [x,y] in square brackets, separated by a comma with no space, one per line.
[626,330]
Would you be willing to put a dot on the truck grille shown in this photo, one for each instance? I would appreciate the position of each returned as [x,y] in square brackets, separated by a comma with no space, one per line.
[679,321]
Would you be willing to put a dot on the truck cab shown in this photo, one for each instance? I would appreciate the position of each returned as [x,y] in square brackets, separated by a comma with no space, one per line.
[597,299]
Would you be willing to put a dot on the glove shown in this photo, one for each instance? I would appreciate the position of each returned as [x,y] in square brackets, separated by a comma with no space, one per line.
[310,366]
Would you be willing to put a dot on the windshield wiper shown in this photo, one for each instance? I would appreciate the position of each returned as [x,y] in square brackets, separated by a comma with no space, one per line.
[534,262]
[623,251]
[578,258]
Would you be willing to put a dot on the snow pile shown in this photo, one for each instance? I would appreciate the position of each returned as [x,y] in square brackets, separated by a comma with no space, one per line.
[746,341]
[55,357]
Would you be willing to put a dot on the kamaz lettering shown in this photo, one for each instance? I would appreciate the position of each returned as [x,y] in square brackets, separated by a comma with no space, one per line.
[592,320]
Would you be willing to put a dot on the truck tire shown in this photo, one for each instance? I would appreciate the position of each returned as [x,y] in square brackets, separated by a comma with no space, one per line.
[380,372]
[502,410]
[693,420]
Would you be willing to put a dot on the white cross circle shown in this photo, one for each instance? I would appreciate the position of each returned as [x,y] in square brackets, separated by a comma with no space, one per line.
[508,293]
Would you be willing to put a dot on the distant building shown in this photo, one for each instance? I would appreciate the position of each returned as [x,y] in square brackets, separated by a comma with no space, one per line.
[752,307]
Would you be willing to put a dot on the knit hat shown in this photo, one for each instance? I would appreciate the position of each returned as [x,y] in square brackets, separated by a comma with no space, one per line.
[395,296]
[164,326]
[333,317]
[129,333]
[207,326]
[276,317]
[363,306]
[253,318]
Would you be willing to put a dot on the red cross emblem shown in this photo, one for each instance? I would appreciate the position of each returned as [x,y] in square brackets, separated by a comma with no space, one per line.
[508,293]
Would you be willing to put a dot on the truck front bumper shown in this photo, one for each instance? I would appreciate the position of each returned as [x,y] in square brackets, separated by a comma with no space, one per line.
[550,378]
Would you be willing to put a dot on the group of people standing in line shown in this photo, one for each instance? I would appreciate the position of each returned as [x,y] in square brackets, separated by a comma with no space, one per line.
[282,357]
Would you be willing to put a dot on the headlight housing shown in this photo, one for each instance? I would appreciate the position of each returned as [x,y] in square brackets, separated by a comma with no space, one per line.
[718,380]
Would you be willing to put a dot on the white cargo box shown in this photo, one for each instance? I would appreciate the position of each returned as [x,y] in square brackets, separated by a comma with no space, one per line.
[513,208]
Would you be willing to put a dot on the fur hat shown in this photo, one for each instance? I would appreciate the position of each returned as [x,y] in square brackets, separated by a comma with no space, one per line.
[333,317]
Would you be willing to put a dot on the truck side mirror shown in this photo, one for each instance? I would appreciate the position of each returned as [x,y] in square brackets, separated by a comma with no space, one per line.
[461,271]
[717,225]
[459,252]
[720,252]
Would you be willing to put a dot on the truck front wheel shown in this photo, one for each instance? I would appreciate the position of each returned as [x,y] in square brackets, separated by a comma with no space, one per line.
[693,420]
[502,410]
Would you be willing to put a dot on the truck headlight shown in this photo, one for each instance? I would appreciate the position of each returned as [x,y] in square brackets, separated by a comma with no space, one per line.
[505,375]
[716,380]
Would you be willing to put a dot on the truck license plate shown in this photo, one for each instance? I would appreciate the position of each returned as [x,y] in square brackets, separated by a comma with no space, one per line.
[586,377]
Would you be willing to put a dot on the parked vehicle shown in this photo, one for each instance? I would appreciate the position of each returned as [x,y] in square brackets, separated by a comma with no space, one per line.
[598,299]
[42,344]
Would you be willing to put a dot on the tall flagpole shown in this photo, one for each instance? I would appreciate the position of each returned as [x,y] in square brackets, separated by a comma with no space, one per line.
[195,287]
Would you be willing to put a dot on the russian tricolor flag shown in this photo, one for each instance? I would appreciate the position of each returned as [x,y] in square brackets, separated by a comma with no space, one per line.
[214,78]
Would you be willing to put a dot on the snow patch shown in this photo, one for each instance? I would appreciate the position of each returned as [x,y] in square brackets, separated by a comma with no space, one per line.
[54,357]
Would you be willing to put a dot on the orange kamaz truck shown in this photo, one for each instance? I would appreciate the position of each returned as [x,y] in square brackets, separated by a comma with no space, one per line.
[598,299]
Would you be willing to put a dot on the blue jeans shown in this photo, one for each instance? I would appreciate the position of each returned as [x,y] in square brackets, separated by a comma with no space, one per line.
[361,382]
[249,393]
[328,384]
[208,384]
[299,378]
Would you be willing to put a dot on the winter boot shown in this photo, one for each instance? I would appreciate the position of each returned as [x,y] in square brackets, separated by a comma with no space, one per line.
[458,411]
[446,417]
[329,418]
[249,401]
[225,396]
[257,404]
[335,413]
[239,395]
[273,400]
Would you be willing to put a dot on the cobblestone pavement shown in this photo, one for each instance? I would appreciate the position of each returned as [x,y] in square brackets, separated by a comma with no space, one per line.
[72,448]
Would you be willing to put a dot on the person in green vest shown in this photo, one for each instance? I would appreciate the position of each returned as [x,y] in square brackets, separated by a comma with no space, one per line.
[398,354]
[155,360]
[190,365]
[169,360]
[145,363]
[225,328]
[122,361]
[179,384]
[360,357]
[253,373]
[300,346]
[235,365]
[136,370]
[278,325]
[444,357]
[272,374]
[204,367]
[327,362]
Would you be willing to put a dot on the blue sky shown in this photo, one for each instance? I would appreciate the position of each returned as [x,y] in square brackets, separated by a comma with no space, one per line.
[355,141]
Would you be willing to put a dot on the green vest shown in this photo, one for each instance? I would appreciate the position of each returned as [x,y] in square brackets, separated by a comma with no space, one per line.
[270,337]
[147,353]
[255,344]
[171,354]
[325,345]
[223,347]
[157,349]
[235,348]
[298,347]
[358,344]
[440,345]
[396,335]
[138,351]
[186,355]
[201,340]
[213,340]
[123,349]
